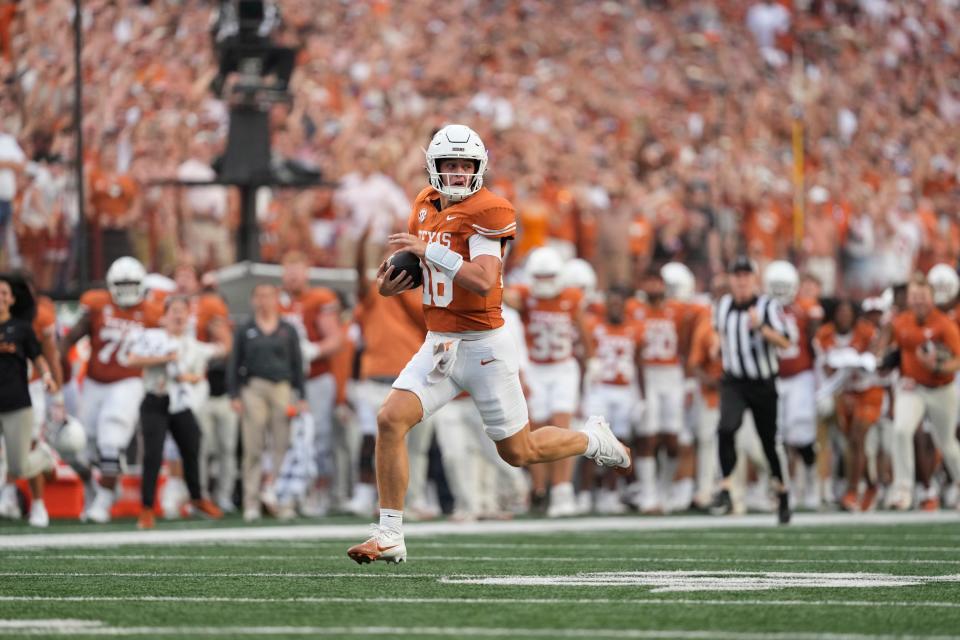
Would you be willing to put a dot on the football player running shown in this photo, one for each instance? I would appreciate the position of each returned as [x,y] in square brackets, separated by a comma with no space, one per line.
[928,343]
[553,323]
[113,390]
[459,231]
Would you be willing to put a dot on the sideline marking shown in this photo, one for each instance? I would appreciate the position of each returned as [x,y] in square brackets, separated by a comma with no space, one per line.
[92,557]
[687,581]
[94,628]
[413,530]
[483,601]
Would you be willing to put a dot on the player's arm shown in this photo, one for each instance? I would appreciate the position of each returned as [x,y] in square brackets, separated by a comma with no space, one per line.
[951,338]
[479,274]
[583,335]
[48,345]
[81,328]
[328,323]
[41,365]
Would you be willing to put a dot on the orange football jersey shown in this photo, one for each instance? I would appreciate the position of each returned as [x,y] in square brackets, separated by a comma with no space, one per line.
[112,329]
[861,338]
[303,311]
[548,324]
[615,346]
[393,330]
[661,327]
[798,357]
[700,358]
[44,324]
[447,306]
[909,336]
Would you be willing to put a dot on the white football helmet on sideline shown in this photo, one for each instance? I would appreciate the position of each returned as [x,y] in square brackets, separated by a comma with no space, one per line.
[680,281]
[544,266]
[71,438]
[125,279]
[456,141]
[945,282]
[781,281]
[579,273]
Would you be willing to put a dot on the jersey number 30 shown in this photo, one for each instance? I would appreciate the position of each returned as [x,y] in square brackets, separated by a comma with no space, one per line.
[437,287]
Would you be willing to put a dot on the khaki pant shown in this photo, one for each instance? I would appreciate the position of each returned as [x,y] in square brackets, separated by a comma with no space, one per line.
[218,424]
[265,427]
[939,404]
[16,427]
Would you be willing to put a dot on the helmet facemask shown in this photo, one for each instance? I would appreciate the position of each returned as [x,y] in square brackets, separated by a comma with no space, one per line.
[441,181]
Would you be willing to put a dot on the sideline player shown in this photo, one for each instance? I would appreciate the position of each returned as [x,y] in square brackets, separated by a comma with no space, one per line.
[113,390]
[459,231]
[552,318]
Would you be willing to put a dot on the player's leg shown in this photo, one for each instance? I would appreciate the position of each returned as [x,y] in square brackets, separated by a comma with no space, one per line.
[186,433]
[668,439]
[762,401]
[415,397]
[540,387]
[645,451]
[321,394]
[908,410]
[565,397]
[226,436]
[732,407]
[253,425]
[153,427]
[942,408]
[117,423]
[706,454]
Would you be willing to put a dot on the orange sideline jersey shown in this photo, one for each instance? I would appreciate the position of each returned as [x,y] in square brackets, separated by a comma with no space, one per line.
[548,324]
[661,327]
[909,336]
[44,324]
[303,311]
[615,346]
[111,330]
[861,338]
[393,330]
[699,358]
[799,317]
[447,306]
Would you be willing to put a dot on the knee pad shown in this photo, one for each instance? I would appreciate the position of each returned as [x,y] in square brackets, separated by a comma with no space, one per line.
[110,463]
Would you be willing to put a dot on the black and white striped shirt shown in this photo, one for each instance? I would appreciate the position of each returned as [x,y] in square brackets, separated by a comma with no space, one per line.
[746,354]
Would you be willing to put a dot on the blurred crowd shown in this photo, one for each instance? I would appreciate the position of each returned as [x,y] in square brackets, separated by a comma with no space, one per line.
[625,132]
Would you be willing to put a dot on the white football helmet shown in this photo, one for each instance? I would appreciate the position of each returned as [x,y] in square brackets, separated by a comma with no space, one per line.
[456,141]
[544,266]
[781,281]
[579,273]
[680,281]
[71,438]
[945,282]
[125,281]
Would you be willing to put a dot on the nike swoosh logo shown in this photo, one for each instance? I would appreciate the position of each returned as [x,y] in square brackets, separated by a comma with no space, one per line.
[382,549]
[449,218]
[485,362]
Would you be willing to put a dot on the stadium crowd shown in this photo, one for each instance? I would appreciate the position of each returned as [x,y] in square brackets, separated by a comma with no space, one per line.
[630,135]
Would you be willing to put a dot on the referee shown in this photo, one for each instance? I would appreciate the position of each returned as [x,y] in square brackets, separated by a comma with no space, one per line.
[750,328]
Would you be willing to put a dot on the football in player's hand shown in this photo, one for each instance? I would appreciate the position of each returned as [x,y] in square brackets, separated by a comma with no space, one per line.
[406,262]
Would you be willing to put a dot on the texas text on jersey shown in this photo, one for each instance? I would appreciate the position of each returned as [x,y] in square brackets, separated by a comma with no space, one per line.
[447,306]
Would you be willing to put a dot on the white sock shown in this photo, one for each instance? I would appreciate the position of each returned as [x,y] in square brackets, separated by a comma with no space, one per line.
[647,475]
[593,444]
[392,520]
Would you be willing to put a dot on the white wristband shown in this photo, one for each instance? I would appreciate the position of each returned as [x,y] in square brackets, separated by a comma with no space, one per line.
[449,262]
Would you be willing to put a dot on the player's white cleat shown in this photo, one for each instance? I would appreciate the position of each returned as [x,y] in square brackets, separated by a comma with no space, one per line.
[609,503]
[383,544]
[9,504]
[99,509]
[38,515]
[610,451]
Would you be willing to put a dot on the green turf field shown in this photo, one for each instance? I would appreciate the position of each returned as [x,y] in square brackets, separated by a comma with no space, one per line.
[842,581]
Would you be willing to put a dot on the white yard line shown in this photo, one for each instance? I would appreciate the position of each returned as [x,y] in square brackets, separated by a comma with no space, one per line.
[414,530]
[92,557]
[217,574]
[739,602]
[85,628]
